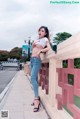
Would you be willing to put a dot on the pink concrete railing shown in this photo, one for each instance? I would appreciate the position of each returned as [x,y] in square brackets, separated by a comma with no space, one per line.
[68,91]
[44,77]
[54,90]
[60,92]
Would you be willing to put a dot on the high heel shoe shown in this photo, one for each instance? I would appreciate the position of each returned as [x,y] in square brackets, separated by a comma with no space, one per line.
[36,109]
[34,99]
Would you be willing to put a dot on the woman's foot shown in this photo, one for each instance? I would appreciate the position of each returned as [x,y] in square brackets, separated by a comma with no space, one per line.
[34,101]
[36,105]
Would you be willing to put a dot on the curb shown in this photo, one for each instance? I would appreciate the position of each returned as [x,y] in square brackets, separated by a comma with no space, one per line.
[7,88]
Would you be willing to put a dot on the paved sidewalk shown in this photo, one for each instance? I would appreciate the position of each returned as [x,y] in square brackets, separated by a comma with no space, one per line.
[19,98]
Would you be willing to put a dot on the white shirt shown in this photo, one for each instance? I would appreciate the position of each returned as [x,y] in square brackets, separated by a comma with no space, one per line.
[42,41]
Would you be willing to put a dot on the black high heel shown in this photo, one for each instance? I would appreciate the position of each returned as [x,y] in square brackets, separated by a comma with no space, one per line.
[34,99]
[36,109]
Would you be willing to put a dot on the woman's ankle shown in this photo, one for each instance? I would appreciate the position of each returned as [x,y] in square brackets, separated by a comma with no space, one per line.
[36,97]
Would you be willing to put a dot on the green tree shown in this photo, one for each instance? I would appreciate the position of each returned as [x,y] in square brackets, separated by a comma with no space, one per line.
[3,55]
[61,37]
[77,63]
[15,53]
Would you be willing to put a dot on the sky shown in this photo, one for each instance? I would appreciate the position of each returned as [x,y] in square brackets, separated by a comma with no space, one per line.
[21,19]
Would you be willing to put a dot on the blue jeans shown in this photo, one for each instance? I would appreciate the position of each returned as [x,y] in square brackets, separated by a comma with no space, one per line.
[35,64]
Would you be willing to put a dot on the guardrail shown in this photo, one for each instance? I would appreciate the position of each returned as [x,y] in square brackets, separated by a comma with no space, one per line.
[13,64]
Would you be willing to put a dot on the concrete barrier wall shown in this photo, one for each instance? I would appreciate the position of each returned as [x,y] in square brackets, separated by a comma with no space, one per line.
[68,49]
[15,64]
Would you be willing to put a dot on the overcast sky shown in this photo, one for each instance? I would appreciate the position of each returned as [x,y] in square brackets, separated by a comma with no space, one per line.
[20,19]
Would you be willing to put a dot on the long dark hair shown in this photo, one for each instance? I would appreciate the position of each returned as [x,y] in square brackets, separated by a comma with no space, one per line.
[46,30]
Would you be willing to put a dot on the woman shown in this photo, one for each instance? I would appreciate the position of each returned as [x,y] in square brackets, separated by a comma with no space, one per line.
[40,45]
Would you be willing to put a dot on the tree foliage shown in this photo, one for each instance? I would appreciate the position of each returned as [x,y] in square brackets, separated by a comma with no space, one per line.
[14,53]
[61,37]
[3,55]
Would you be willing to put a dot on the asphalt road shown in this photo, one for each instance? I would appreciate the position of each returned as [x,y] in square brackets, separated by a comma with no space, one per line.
[6,76]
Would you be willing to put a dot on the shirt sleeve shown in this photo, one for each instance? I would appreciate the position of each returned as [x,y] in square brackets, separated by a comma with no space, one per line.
[46,39]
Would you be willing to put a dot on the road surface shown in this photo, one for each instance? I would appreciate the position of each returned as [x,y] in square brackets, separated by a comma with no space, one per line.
[6,76]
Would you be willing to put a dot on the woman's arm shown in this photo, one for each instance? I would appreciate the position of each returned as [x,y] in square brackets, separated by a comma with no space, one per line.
[33,45]
[47,48]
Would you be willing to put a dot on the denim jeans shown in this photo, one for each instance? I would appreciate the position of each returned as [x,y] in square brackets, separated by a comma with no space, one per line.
[35,64]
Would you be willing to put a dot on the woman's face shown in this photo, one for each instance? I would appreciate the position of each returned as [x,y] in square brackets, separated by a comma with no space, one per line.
[41,33]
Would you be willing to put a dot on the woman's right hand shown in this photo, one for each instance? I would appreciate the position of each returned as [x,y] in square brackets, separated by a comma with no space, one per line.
[33,45]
